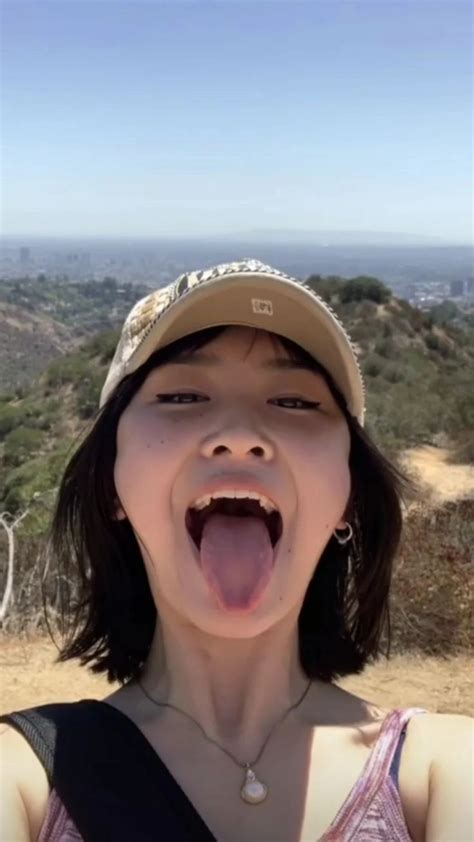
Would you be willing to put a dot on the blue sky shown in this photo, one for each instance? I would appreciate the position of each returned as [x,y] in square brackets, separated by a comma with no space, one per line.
[194,118]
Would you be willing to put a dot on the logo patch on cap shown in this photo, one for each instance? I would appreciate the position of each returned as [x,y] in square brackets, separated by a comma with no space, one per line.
[262,307]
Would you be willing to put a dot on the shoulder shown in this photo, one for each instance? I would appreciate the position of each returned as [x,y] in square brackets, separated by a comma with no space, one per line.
[445,733]
[25,786]
[439,736]
[450,809]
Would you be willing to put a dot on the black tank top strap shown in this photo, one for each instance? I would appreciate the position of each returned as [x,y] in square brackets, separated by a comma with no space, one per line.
[112,783]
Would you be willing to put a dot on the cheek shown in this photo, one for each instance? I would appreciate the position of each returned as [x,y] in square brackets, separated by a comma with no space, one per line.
[141,435]
[325,473]
[141,464]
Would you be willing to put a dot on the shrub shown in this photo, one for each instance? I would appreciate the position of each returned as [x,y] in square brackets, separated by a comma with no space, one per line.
[432,598]
[20,444]
[328,288]
[463,450]
[394,374]
[444,312]
[71,369]
[37,475]
[372,366]
[405,415]
[103,345]
[10,417]
[365,287]
[362,332]
[366,310]
[385,348]
[88,393]
[435,343]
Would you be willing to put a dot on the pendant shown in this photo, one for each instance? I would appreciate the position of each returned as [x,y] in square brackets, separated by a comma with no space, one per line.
[253,791]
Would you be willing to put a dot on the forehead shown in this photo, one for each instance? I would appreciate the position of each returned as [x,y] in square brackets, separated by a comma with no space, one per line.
[242,343]
[255,347]
[246,339]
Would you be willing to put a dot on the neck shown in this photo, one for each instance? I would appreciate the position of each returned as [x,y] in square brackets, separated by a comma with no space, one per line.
[236,689]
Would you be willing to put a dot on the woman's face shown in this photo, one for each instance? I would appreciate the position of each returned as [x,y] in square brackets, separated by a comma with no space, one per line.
[237,417]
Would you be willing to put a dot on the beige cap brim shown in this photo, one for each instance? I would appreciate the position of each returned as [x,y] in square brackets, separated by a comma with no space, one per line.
[254,299]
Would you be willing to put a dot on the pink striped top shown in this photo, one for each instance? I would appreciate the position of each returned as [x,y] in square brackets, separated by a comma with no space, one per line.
[372,812]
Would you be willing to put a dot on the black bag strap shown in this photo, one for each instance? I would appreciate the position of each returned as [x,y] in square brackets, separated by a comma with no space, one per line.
[113,784]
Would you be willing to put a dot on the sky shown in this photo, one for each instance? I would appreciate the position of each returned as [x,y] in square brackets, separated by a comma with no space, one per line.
[196,118]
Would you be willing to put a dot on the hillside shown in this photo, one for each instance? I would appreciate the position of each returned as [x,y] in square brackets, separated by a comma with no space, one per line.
[42,319]
[28,342]
[418,376]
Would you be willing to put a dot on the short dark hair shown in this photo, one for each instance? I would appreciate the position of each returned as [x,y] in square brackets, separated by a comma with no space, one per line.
[110,621]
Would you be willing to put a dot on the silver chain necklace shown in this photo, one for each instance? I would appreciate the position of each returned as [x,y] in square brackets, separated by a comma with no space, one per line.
[252,791]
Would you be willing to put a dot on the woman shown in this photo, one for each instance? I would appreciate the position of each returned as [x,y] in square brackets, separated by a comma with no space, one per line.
[234,530]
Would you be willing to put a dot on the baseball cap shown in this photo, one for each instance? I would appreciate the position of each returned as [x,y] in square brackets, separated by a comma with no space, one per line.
[248,293]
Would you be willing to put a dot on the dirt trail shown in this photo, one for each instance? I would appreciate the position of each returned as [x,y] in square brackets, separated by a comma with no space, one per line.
[440,481]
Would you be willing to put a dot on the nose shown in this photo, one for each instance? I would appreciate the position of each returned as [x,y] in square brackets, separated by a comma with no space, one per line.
[238,441]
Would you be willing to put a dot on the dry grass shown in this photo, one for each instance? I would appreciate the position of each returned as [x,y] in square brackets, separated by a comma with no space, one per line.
[29,677]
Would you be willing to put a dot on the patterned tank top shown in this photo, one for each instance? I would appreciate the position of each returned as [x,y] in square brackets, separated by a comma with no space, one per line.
[372,812]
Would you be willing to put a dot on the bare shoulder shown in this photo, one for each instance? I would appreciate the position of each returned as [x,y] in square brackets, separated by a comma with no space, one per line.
[25,787]
[451,779]
[446,733]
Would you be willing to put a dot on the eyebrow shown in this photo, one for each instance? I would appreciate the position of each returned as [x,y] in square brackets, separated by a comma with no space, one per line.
[279,364]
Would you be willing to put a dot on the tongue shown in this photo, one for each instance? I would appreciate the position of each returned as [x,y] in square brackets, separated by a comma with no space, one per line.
[236,559]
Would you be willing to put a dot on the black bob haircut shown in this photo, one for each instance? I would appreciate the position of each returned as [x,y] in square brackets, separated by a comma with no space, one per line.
[111,620]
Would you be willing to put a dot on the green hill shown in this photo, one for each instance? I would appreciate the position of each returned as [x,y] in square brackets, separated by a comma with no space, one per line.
[417,367]
[43,318]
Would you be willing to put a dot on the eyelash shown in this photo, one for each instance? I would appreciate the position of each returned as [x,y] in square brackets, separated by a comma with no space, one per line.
[309,404]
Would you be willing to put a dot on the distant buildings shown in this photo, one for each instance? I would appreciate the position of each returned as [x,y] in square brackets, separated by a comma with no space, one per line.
[426,294]
[424,276]
[456,289]
[24,256]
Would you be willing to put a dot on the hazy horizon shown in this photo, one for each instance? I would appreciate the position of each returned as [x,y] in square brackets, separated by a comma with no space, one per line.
[333,238]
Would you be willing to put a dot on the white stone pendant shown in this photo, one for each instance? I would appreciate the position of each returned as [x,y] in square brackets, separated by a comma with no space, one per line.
[253,791]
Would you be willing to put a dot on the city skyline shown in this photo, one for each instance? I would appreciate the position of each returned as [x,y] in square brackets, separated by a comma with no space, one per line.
[203,119]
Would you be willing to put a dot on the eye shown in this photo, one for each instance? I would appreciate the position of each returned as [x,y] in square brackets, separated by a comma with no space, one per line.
[169,397]
[308,404]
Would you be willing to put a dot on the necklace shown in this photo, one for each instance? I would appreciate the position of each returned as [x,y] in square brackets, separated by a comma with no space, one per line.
[253,791]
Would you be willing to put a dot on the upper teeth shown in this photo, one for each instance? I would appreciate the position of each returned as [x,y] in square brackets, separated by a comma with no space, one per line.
[204,501]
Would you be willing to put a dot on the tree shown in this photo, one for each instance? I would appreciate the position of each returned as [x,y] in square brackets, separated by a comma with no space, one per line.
[9,523]
[365,287]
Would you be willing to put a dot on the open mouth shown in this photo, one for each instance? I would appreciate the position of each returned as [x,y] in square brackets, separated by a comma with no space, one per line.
[196,519]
